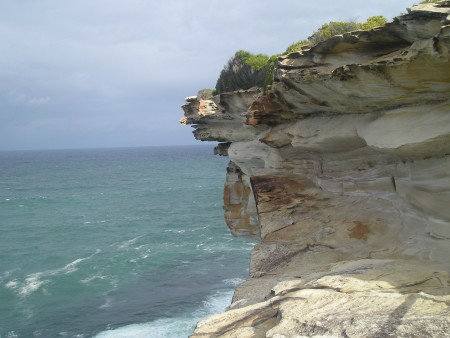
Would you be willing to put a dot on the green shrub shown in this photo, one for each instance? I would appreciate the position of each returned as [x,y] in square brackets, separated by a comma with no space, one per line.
[205,94]
[374,21]
[331,29]
[258,61]
[296,46]
[243,71]
[270,67]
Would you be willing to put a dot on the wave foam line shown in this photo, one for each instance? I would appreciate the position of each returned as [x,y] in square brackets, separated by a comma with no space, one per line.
[35,281]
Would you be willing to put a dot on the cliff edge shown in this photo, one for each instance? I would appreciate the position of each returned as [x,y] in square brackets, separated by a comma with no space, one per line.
[342,168]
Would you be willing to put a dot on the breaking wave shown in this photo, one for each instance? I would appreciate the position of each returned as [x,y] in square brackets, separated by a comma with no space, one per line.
[181,326]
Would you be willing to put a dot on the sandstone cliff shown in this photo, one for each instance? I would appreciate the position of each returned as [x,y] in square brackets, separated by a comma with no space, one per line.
[342,169]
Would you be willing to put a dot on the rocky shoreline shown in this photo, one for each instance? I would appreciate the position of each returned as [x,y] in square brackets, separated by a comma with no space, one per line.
[342,169]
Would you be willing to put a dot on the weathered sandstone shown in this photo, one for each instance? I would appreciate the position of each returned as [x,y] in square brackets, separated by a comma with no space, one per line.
[342,168]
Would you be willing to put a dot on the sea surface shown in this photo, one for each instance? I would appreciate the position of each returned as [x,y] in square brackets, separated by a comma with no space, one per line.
[126,242]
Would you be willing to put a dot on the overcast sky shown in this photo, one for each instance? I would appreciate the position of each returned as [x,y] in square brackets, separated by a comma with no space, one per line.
[110,73]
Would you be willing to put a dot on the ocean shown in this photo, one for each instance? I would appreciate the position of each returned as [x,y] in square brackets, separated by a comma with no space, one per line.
[109,243]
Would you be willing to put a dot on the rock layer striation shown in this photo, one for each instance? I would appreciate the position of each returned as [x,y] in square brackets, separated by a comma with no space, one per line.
[342,168]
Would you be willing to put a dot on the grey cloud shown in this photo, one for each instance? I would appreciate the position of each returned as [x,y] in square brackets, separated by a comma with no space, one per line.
[107,72]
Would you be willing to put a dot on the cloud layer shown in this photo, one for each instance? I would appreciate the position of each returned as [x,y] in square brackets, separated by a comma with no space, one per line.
[97,73]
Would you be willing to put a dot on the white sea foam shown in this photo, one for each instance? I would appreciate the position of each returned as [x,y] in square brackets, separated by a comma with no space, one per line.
[35,281]
[73,266]
[181,326]
[31,284]
[96,222]
[233,281]
[126,244]
[161,328]
[175,231]
[67,334]
[6,275]
[143,256]
[199,229]
[216,303]
[204,247]
[13,284]
[92,278]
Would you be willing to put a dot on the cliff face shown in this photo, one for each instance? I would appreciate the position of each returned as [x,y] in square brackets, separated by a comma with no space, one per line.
[343,170]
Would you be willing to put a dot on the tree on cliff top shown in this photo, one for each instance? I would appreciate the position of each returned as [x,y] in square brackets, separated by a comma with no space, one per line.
[243,71]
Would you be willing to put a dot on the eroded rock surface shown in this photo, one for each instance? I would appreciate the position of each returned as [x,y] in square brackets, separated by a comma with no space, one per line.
[343,170]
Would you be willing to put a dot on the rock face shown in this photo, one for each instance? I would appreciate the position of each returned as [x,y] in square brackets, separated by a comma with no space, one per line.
[343,170]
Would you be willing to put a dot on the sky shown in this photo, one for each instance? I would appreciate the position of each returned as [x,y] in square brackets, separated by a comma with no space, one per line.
[110,73]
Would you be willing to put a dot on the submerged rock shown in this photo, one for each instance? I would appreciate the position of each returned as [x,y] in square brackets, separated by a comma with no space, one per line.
[342,169]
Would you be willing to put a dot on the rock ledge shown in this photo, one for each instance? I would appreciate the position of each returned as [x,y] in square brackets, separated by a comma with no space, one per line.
[342,169]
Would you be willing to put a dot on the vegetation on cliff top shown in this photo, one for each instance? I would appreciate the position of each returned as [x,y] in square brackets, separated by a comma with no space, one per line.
[245,70]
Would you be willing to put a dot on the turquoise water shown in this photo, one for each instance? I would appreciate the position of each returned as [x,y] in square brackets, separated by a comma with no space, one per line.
[114,242]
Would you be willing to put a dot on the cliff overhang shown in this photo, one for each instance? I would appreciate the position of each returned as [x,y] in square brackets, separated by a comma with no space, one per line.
[342,169]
